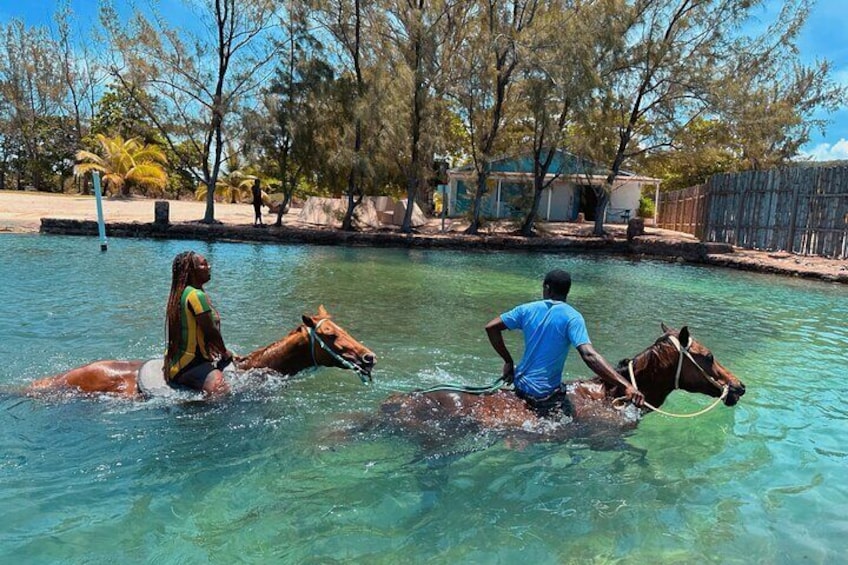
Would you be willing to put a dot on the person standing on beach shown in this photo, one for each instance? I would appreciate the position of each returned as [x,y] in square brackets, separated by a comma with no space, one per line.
[257,203]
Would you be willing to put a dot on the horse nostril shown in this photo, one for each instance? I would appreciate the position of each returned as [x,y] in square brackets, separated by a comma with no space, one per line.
[369,358]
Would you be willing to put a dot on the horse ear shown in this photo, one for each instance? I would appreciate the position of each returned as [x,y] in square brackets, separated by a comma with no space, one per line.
[685,338]
[307,321]
[665,328]
[322,311]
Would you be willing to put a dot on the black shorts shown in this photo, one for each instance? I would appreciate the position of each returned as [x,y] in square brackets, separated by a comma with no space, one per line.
[195,375]
[554,406]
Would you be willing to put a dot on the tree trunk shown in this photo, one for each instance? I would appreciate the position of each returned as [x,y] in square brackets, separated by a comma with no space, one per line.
[529,221]
[600,209]
[410,204]
[474,227]
[209,217]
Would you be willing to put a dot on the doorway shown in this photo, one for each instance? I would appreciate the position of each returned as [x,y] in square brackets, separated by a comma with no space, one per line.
[588,202]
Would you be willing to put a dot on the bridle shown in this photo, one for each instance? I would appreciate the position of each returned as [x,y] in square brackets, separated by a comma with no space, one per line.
[315,338]
[681,353]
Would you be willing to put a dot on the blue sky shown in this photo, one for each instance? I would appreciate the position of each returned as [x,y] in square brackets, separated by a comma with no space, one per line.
[824,36]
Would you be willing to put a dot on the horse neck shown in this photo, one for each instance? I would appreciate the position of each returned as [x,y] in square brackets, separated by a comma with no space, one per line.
[654,371]
[288,356]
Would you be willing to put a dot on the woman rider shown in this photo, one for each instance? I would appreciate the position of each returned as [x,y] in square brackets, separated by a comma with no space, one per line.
[193,329]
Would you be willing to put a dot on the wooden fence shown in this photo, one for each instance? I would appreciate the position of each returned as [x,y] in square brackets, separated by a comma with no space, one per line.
[802,210]
[683,210]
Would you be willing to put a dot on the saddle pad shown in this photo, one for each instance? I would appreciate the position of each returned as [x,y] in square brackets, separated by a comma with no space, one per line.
[151,381]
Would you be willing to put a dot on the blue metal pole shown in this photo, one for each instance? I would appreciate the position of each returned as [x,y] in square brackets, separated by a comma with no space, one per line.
[101,226]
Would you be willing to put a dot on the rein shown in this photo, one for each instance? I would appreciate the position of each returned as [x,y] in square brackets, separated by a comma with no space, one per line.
[485,389]
[681,353]
[315,338]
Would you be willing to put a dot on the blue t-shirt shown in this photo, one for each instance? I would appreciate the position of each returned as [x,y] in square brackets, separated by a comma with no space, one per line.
[550,327]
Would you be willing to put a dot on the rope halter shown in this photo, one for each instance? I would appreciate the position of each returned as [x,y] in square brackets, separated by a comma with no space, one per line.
[314,338]
[681,353]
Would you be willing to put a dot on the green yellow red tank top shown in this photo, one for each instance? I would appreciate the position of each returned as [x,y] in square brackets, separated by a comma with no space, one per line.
[193,303]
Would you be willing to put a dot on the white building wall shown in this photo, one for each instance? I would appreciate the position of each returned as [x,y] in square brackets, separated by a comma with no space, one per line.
[624,197]
[557,202]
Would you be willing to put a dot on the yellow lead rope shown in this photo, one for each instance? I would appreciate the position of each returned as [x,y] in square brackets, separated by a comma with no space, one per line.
[681,352]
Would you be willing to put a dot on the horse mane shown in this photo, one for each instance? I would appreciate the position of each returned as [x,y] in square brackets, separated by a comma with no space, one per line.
[649,360]
[258,353]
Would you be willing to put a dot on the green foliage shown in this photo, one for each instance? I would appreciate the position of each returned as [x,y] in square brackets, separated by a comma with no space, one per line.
[647,207]
[119,114]
[125,165]
[703,148]
[623,83]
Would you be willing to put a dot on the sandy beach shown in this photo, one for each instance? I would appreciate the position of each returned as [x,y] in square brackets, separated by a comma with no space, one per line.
[21,212]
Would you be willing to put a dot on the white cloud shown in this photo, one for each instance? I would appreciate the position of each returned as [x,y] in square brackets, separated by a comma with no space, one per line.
[830,152]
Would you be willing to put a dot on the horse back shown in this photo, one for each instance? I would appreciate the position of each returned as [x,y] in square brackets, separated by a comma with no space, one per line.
[106,376]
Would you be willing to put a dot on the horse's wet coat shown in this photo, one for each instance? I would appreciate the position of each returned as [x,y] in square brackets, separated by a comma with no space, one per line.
[288,356]
[594,402]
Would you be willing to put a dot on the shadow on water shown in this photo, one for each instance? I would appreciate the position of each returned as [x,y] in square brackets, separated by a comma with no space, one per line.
[440,441]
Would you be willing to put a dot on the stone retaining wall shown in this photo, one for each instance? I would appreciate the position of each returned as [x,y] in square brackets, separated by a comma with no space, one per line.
[653,246]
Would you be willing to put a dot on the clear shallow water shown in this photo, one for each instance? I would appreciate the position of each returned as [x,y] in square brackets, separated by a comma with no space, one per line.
[268,475]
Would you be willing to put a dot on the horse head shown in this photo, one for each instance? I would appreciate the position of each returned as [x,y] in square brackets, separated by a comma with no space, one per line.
[331,346]
[696,367]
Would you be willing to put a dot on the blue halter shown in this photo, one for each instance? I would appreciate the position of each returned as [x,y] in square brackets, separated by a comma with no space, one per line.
[314,337]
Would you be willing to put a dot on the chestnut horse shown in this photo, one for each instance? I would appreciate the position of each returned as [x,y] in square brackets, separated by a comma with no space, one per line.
[318,341]
[674,361]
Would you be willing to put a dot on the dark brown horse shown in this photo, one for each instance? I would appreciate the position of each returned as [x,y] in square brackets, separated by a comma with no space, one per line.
[675,360]
[317,342]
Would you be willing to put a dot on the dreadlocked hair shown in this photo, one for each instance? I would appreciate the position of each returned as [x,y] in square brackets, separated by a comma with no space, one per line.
[181,270]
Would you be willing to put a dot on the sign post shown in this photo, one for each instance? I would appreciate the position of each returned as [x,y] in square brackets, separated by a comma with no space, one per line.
[101,226]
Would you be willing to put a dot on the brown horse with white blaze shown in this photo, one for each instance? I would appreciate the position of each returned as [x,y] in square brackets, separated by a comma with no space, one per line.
[318,341]
[674,361]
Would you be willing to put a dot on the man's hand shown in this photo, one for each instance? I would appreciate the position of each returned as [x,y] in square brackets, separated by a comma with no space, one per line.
[508,373]
[635,396]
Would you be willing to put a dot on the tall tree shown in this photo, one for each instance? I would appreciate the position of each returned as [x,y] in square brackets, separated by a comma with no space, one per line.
[485,70]
[344,20]
[557,82]
[80,71]
[281,132]
[684,59]
[767,101]
[32,89]
[201,77]
[421,41]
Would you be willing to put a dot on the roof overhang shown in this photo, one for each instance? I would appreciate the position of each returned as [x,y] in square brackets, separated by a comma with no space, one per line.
[594,180]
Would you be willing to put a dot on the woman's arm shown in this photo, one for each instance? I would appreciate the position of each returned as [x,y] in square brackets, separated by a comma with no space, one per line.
[214,340]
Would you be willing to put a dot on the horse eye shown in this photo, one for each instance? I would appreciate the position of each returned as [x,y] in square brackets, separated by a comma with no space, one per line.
[710,358]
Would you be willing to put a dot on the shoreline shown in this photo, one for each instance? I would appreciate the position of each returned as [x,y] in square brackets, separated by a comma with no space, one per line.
[646,246]
[31,212]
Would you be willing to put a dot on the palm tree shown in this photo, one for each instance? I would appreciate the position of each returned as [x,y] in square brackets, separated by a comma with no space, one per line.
[125,164]
[233,187]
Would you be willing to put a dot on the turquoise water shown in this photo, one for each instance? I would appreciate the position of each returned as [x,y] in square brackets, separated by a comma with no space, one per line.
[276,474]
